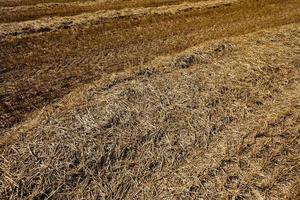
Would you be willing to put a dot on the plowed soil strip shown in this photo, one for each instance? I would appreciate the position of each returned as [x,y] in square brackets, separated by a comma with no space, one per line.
[12,3]
[31,12]
[88,19]
[41,68]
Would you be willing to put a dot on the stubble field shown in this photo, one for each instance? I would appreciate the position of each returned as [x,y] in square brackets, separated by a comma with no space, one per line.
[149,99]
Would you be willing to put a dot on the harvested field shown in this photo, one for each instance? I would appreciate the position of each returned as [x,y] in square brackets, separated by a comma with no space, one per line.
[44,60]
[29,12]
[150,99]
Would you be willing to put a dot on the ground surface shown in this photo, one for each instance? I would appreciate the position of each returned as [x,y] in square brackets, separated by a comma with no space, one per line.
[149,99]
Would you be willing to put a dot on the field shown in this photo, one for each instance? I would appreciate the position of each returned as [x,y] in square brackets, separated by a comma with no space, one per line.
[150,99]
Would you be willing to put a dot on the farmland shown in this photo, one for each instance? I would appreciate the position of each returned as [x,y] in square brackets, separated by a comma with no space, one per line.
[149,99]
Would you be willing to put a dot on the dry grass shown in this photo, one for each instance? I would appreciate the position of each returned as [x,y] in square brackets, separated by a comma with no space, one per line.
[40,68]
[149,99]
[218,121]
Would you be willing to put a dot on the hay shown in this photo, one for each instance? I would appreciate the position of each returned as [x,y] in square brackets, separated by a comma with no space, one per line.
[218,121]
